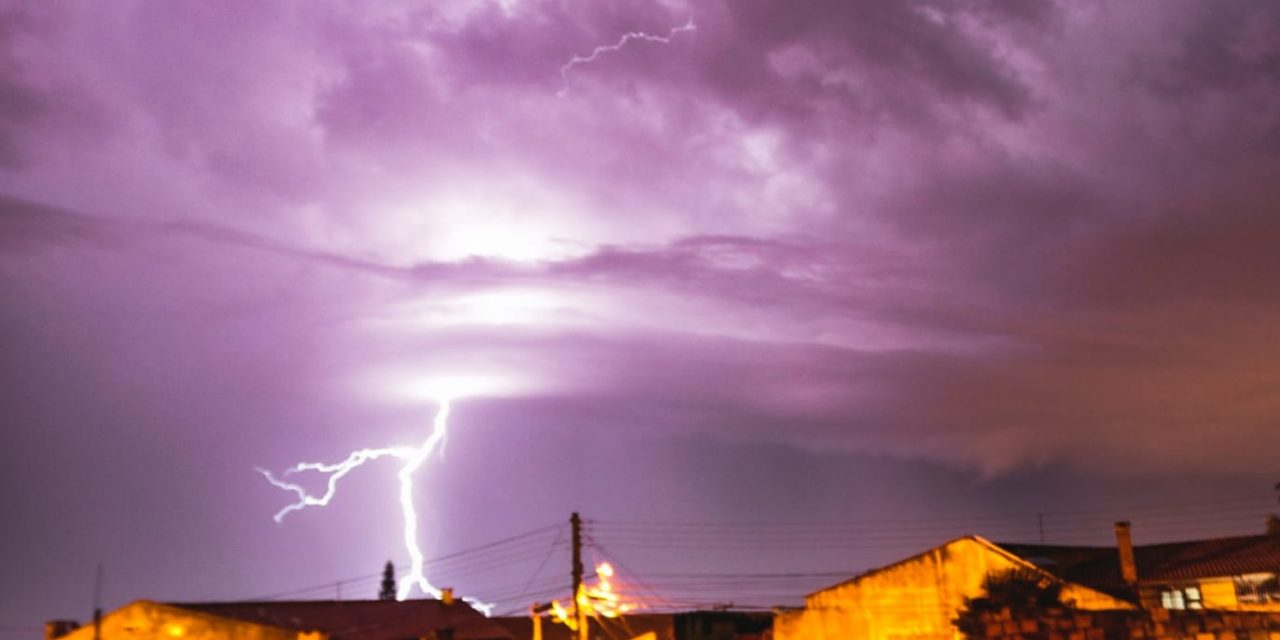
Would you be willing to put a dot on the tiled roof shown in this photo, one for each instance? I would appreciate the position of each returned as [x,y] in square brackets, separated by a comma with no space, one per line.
[1099,567]
[361,619]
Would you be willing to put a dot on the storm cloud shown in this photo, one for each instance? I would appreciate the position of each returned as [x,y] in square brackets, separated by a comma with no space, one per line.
[990,236]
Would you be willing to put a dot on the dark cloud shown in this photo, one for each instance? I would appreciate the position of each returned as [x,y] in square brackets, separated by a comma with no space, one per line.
[918,43]
[1230,47]
[21,102]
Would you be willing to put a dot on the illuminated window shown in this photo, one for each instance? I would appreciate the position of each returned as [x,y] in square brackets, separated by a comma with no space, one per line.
[1193,598]
[1181,598]
[1257,588]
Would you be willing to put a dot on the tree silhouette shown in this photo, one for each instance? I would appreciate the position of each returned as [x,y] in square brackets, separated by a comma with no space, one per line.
[1018,589]
[387,591]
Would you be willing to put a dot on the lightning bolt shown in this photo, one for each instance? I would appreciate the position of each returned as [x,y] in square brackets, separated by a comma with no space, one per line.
[412,463]
[413,458]
[622,42]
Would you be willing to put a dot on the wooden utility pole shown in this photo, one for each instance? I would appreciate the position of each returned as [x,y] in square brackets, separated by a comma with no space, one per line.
[579,594]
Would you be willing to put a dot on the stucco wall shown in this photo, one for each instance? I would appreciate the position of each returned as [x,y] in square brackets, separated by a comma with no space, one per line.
[143,620]
[915,599]
[1219,594]
[1216,593]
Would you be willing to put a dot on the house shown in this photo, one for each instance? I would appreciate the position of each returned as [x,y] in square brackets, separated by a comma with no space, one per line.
[446,619]
[1237,573]
[919,597]
[916,598]
[309,620]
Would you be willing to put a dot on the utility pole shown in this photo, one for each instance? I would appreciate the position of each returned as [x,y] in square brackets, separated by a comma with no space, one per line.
[579,594]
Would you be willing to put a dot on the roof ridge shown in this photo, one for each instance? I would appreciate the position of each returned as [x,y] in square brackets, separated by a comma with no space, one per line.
[1256,537]
[1042,545]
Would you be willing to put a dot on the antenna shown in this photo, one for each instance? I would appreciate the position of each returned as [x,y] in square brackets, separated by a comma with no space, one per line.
[1273,520]
[97,603]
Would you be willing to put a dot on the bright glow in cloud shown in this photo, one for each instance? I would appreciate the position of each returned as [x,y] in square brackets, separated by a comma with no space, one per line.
[518,220]
[413,388]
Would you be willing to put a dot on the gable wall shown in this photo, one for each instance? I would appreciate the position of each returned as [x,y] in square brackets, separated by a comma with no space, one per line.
[915,599]
[143,620]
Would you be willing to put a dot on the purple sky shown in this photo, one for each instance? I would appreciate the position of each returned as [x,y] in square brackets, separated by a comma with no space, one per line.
[808,261]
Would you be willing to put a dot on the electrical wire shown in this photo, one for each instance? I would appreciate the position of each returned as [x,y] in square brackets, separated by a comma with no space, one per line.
[454,558]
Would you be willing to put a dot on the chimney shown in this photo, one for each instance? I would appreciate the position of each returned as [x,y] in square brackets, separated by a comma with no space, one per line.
[446,596]
[1124,545]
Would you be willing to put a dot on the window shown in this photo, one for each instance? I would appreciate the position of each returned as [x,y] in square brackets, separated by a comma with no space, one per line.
[1257,588]
[1181,598]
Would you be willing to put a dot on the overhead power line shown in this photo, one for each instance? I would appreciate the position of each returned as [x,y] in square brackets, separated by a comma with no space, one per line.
[454,561]
[1132,513]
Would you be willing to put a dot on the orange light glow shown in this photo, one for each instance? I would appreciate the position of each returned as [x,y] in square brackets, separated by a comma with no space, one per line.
[598,600]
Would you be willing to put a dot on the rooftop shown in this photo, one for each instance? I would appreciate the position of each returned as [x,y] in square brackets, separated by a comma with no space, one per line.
[1099,567]
[360,619]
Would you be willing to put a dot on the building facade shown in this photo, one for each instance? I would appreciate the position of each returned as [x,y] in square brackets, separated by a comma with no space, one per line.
[919,598]
[305,620]
[916,598]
